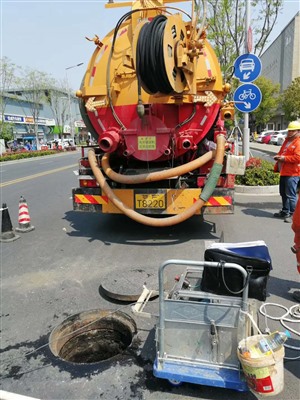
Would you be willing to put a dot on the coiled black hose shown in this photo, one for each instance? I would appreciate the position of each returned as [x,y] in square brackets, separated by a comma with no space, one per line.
[151,69]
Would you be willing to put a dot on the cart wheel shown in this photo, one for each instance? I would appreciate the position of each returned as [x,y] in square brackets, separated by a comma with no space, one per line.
[174,382]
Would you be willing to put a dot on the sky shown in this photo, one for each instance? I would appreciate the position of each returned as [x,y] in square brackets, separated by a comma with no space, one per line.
[49,35]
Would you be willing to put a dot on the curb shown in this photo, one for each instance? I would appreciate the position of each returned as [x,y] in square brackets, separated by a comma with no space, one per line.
[64,153]
[257,190]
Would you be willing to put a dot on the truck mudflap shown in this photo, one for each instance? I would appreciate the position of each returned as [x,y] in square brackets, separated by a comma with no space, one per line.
[153,201]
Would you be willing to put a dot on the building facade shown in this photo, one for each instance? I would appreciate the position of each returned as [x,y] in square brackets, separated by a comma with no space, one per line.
[281,63]
[51,122]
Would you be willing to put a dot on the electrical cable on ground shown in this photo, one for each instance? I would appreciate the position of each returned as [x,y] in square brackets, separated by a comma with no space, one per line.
[293,311]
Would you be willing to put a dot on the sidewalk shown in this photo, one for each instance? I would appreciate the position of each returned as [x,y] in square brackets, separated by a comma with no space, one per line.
[266,148]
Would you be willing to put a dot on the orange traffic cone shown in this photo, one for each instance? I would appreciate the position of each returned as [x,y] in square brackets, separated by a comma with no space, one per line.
[7,233]
[24,217]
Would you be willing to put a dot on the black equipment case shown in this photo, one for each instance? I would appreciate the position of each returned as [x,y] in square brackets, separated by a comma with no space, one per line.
[253,256]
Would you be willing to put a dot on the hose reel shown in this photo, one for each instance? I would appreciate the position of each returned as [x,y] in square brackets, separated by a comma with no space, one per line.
[156,48]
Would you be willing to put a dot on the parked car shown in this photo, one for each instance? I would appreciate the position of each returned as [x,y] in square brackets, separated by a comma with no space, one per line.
[266,139]
[278,137]
[16,147]
[66,143]
[280,141]
[53,143]
[260,137]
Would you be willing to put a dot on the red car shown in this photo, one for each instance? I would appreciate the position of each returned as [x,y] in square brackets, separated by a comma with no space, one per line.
[266,139]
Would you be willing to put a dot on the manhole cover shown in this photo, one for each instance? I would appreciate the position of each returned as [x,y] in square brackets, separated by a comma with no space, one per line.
[92,336]
[128,285]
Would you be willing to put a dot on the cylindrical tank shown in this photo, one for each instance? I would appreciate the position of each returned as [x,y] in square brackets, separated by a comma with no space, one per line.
[153,87]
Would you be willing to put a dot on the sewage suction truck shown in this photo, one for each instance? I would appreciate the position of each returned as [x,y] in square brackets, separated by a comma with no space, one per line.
[153,98]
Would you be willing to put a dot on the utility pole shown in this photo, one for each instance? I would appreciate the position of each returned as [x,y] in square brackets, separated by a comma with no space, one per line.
[69,101]
[246,136]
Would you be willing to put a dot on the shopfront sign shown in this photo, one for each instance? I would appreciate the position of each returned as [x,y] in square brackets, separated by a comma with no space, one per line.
[14,118]
[79,124]
[20,119]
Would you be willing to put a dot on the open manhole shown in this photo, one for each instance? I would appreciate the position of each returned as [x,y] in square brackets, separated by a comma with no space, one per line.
[92,336]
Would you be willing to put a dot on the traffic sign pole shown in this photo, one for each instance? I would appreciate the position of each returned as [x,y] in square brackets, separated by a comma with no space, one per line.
[250,40]
[246,136]
[247,68]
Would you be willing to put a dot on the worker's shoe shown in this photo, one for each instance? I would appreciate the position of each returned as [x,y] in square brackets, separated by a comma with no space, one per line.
[296,296]
[288,219]
[280,214]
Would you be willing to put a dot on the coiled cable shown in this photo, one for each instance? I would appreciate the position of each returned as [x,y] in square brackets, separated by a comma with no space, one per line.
[150,66]
[293,312]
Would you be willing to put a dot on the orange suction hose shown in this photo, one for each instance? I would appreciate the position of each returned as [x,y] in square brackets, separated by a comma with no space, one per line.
[150,221]
[154,176]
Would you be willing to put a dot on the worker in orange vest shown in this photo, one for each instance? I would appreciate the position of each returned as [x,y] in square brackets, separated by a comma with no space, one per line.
[288,165]
[296,247]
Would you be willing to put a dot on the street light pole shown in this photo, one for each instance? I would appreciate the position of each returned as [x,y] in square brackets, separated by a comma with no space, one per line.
[63,107]
[69,100]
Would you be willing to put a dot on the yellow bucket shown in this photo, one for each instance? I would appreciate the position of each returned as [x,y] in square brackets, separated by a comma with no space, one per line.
[264,375]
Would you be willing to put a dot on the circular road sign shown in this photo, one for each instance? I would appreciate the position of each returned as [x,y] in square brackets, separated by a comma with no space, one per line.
[247,97]
[247,67]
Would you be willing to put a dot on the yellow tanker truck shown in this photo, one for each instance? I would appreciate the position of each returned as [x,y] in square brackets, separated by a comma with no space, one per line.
[154,100]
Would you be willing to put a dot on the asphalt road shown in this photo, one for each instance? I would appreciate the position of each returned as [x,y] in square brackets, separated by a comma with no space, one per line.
[56,271]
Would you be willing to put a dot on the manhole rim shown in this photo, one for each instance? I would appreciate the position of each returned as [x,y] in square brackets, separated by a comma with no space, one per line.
[62,333]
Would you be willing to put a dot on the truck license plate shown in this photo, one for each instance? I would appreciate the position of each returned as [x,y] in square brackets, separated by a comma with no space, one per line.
[150,201]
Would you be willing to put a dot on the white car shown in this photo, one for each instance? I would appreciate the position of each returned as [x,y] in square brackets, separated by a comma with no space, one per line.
[65,143]
[260,137]
[278,137]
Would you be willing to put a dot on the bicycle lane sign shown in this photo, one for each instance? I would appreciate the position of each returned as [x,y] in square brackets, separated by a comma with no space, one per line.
[247,97]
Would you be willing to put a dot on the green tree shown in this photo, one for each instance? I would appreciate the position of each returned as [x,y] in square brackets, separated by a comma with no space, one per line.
[291,100]
[58,101]
[226,30]
[7,81]
[270,100]
[35,86]
[6,131]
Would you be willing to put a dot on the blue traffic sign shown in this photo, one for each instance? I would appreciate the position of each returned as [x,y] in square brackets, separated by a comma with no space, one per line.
[247,97]
[247,68]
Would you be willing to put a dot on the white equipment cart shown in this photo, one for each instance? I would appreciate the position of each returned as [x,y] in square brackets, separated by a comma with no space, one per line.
[198,332]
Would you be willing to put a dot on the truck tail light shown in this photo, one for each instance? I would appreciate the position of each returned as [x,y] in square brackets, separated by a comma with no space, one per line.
[85,163]
[88,183]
